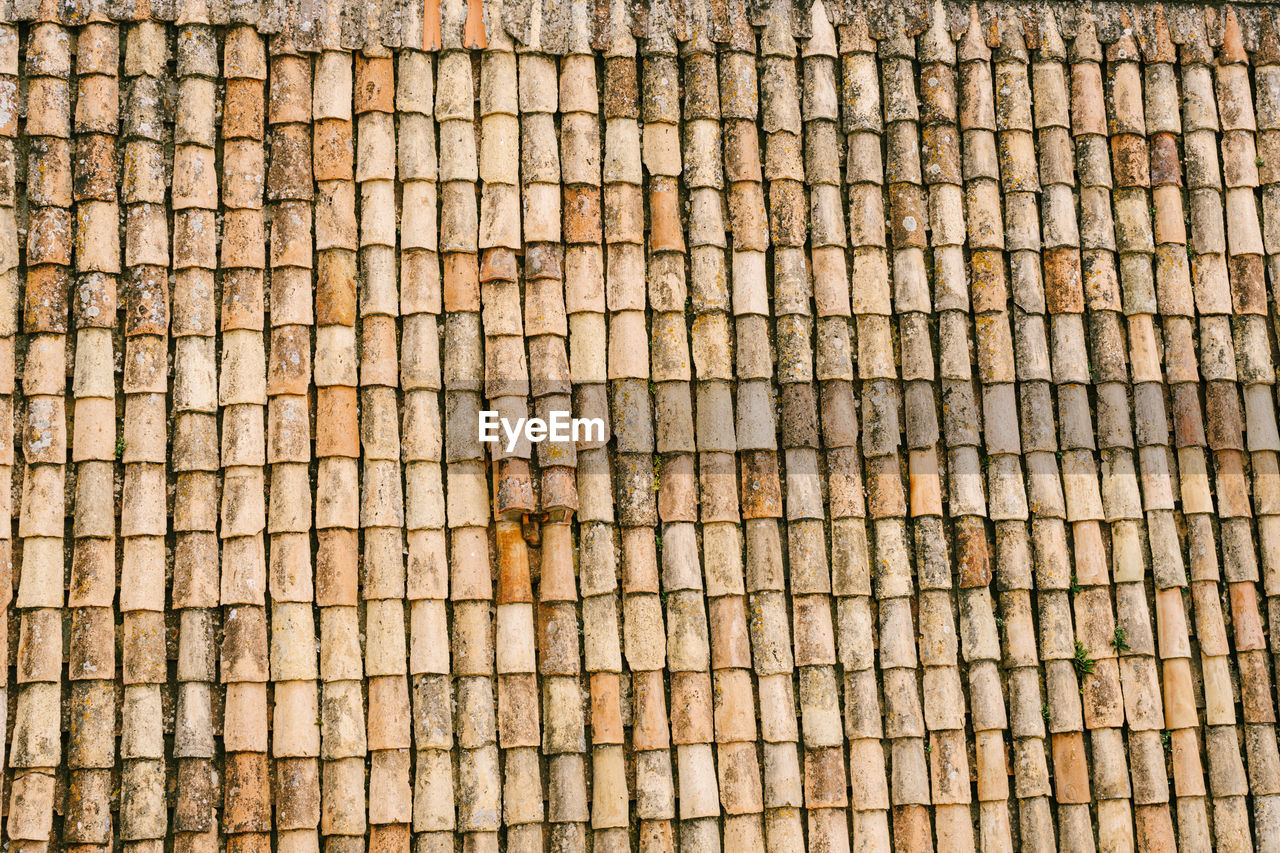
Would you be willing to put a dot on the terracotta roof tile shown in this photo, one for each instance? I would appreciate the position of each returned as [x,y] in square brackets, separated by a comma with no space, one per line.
[738,265]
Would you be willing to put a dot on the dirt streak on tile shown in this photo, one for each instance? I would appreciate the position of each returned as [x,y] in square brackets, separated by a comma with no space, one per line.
[35,747]
[295,742]
[10,296]
[860,110]
[143,510]
[1215,369]
[195,458]
[1254,372]
[735,719]
[247,801]
[91,669]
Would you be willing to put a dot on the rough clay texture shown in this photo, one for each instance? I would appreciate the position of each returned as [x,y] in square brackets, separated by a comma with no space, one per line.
[939,504]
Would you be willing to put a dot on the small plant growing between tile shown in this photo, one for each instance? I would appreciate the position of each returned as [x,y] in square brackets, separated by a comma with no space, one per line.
[1044,712]
[1120,640]
[1082,660]
[1075,584]
[657,472]
[121,445]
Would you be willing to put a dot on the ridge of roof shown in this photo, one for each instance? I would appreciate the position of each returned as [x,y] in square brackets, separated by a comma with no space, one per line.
[314,25]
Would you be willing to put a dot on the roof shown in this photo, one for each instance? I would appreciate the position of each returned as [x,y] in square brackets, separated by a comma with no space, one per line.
[932,349]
